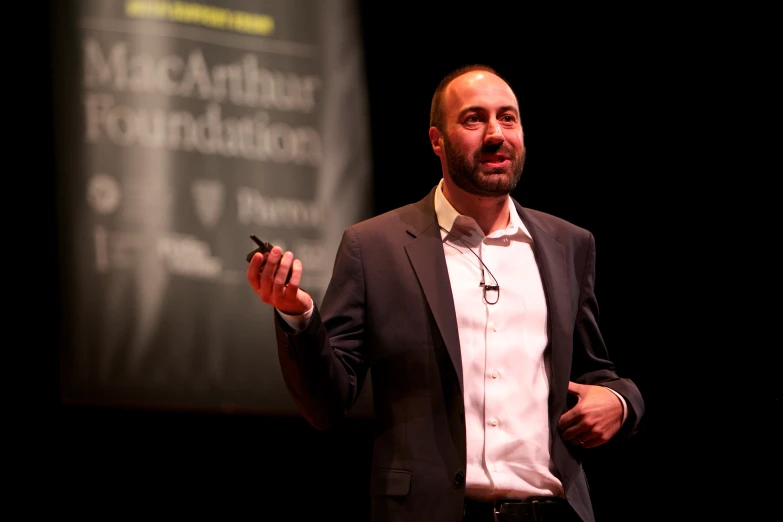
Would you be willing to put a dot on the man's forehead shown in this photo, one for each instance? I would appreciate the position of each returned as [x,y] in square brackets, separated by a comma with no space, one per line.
[472,77]
[479,88]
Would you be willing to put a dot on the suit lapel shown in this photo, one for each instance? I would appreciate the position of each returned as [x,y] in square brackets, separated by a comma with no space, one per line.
[426,255]
[551,260]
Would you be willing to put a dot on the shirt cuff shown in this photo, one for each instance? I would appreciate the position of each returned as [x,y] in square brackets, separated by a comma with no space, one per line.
[622,399]
[300,322]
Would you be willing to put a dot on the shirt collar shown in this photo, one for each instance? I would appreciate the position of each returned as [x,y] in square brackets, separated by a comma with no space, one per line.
[462,225]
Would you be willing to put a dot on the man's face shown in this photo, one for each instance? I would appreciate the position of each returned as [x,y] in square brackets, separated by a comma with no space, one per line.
[484,143]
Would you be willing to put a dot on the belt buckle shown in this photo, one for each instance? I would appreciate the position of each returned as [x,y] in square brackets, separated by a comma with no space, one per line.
[537,515]
[535,505]
[496,510]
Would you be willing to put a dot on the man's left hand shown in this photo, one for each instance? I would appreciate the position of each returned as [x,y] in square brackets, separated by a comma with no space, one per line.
[596,417]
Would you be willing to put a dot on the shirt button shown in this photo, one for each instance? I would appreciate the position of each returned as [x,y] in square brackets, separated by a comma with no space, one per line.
[494,422]
[494,328]
[494,375]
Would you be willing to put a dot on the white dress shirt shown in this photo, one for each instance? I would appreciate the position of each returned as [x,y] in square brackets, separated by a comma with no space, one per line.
[505,371]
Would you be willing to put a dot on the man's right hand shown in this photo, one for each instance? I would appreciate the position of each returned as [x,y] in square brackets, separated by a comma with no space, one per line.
[269,282]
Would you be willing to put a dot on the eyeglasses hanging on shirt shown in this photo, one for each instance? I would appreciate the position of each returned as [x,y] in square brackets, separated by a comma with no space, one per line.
[494,290]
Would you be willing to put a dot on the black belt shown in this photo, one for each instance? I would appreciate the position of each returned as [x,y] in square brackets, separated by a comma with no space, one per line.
[547,509]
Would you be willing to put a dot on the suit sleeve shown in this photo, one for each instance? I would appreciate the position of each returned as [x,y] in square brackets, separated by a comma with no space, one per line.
[324,366]
[591,363]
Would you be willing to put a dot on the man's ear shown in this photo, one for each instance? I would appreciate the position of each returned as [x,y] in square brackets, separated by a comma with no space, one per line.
[436,140]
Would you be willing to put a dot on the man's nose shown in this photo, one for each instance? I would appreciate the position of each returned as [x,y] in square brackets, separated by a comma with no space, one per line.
[494,133]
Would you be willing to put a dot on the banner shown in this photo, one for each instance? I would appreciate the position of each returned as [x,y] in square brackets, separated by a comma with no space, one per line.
[182,128]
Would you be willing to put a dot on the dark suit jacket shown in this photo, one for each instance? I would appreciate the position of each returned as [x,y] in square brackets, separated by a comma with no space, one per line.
[389,307]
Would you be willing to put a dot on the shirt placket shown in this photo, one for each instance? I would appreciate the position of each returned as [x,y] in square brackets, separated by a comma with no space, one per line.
[492,374]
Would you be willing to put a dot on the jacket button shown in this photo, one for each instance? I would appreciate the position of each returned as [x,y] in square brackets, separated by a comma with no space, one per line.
[459,479]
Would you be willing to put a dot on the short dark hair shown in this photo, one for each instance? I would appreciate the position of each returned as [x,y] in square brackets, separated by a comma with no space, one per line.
[436,109]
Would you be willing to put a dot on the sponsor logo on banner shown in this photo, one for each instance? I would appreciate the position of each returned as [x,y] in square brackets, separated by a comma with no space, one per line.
[208,197]
[103,193]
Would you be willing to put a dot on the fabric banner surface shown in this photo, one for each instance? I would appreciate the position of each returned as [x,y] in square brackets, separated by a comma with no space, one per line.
[182,128]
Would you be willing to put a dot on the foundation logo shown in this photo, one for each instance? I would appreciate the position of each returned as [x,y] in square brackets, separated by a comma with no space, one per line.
[208,197]
[103,194]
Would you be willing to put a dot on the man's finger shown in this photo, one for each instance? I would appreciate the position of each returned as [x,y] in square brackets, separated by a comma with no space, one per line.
[282,269]
[272,260]
[296,277]
[253,269]
[575,388]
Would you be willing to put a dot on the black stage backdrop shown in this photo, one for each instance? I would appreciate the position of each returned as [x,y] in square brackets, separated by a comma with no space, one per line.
[595,96]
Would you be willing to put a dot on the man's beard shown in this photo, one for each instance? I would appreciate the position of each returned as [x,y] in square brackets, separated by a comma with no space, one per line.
[466,175]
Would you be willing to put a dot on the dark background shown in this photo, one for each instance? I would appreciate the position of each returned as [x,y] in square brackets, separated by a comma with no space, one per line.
[601,95]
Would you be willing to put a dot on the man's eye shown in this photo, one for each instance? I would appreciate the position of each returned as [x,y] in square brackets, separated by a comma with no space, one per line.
[472,119]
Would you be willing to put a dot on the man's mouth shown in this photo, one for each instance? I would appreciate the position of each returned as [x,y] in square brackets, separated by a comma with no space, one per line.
[494,160]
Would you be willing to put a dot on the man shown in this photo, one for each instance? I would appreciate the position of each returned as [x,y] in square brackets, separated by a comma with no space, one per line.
[479,321]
